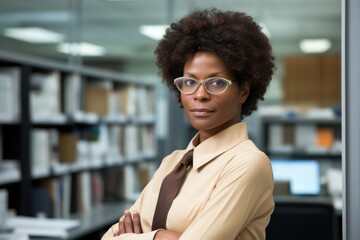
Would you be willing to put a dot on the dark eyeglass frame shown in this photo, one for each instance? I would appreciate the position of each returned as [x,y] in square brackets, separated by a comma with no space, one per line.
[202,82]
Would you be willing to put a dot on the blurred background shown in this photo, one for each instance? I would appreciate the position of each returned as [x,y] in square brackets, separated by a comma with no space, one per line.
[298,125]
[121,35]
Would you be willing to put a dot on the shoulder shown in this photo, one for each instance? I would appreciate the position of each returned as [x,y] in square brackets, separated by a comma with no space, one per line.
[249,161]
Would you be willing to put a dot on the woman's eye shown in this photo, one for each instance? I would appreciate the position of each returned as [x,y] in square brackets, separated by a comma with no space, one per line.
[217,82]
[189,82]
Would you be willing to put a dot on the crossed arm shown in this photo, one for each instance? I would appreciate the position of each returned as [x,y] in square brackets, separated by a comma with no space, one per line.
[130,223]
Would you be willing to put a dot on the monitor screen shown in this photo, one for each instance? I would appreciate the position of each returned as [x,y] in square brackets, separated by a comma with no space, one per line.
[303,175]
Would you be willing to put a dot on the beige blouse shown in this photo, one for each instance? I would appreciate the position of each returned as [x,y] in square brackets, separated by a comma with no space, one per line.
[226,195]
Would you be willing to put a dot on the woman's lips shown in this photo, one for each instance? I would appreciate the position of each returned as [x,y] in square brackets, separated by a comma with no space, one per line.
[201,111]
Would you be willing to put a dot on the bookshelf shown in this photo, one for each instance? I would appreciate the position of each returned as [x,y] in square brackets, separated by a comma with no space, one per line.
[73,139]
[305,138]
[312,140]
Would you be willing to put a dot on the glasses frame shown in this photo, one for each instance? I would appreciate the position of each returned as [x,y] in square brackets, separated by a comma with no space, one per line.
[202,82]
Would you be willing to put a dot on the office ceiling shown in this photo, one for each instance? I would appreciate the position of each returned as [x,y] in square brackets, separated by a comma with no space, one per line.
[114,24]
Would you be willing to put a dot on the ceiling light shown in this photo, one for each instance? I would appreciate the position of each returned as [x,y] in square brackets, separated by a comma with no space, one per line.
[315,45]
[82,49]
[33,35]
[153,31]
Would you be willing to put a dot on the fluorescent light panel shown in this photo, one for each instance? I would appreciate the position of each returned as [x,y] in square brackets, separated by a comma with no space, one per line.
[82,49]
[315,45]
[155,32]
[33,35]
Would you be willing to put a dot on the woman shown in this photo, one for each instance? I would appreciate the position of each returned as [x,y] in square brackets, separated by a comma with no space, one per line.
[219,63]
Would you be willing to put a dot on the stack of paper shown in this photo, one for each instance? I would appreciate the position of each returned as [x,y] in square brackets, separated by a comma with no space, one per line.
[42,227]
[13,236]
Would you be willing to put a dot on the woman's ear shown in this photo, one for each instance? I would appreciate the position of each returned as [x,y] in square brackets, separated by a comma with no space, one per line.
[244,92]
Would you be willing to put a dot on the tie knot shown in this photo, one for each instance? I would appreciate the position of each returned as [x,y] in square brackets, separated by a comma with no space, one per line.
[187,158]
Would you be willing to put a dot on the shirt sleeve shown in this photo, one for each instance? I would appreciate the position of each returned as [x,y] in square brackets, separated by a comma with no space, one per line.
[149,235]
[112,231]
[109,235]
[242,197]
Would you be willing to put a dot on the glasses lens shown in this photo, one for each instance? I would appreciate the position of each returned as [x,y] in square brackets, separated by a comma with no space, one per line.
[213,85]
[216,85]
[186,85]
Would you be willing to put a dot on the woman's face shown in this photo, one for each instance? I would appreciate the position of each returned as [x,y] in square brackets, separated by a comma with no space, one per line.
[207,112]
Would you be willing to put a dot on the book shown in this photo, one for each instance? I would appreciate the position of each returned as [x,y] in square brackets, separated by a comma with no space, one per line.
[3,208]
[97,99]
[67,147]
[83,192]
[128,100]
[305,135]
[148,142]
[128,183]
[45,101]
[276,135]
[132,142]
[98,142]
[40,152]
[110,179]
[66,196]
[145,173]
[145,102]
[9,93]
[58,192]
[123,183]
[97,186]
[114,153]
[72,94]
[42,204]
[325,137]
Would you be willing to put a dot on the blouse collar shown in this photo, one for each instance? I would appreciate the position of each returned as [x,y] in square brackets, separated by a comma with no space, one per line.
[217,144]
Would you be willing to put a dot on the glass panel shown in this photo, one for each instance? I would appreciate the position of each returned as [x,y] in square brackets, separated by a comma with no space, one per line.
[26,25]
[113,27]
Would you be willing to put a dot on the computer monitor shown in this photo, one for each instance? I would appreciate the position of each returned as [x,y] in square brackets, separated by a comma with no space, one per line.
[303,175]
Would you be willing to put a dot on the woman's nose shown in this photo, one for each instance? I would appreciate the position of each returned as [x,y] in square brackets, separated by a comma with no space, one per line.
[201,94]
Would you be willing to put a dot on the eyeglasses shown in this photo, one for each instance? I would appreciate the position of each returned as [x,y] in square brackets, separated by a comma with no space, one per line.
[213,85]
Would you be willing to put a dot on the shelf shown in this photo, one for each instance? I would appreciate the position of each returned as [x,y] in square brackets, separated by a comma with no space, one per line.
[302,120]
[9,171]
[87,119]
[102,216]
[59,169]
[302,138]
[7,176]
[58,119]
[41,63]
[8,120]
[303,153]
[82,134]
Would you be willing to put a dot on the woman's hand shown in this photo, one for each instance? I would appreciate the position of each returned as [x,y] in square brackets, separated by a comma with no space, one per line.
[129,224]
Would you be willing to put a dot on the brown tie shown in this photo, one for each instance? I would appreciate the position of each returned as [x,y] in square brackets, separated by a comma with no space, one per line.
[170,187]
